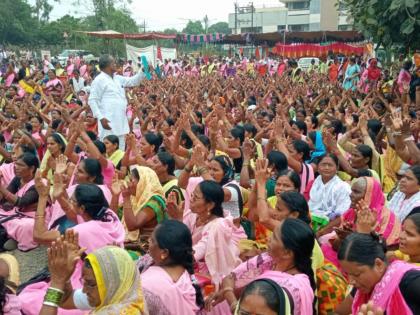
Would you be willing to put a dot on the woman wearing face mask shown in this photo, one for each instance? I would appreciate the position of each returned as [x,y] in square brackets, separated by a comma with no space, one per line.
[287,262]
[111,282]
[97,226]
[170,266]
[393,287]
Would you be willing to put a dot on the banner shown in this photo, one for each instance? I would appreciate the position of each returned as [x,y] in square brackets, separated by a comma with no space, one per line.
[46,53]
[317,50]
[151,54]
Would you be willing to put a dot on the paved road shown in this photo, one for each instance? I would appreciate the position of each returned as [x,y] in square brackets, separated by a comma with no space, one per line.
[31,262]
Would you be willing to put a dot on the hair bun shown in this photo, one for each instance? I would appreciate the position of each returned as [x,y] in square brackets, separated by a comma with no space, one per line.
[378,238]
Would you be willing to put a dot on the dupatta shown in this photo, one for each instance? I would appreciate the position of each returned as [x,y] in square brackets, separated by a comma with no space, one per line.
[387,224]
[387,294]
[118,281]
[148,187]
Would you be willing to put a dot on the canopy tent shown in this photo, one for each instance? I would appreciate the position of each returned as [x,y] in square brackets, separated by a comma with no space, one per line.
[271,39]
[110,34]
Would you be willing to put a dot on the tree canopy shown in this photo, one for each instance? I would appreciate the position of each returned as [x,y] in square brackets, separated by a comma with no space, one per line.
[220,27]
[387,22]
[193,27]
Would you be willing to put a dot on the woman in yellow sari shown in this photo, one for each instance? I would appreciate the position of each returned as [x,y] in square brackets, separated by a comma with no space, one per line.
[143,205]
[113,153]
[111,281]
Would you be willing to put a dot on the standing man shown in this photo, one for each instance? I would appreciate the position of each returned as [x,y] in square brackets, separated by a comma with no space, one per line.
[108,101]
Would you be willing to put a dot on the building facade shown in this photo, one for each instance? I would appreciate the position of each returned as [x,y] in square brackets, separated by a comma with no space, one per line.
[295,15]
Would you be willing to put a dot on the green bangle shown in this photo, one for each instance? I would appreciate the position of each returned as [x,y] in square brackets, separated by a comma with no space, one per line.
[53,297]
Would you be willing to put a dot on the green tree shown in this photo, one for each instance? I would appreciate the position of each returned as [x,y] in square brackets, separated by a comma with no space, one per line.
[170,31]
[43,9]
[387,22]
[17,25]
[220,27]
[193,27]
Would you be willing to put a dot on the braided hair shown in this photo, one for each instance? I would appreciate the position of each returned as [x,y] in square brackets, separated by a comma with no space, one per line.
[175,237]
[299,238]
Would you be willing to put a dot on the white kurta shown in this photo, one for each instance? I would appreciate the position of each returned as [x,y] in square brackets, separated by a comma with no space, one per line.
[331,199]
[107,100]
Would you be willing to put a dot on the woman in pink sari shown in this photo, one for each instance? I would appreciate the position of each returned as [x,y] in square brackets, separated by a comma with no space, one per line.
[88,171]
[391,287]
[97,226]
[167,275]
[215,247]
[18,204]
[10,75]
[368,191]
[287,262]
[404,77]
[54,86]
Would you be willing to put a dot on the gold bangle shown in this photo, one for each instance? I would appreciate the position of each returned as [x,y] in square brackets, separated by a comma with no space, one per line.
[261,198]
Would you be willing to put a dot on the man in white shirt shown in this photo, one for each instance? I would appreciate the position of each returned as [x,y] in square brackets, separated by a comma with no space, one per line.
[77,82]
[108,100]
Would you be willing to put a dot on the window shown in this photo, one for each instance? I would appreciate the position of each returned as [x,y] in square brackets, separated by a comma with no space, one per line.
[345,27]
[281,28]
[255,29]
[300,5]
[299,28]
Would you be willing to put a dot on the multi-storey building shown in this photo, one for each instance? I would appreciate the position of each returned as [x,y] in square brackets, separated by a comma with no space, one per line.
[295,15]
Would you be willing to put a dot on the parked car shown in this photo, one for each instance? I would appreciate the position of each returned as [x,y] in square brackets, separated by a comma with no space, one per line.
[87,56]
[304,63]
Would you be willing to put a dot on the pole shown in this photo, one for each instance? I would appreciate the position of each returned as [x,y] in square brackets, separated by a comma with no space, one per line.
[236,18]
[252,17]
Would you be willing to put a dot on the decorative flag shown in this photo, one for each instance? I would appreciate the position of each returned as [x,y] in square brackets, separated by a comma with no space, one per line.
[159,53]
[257,53]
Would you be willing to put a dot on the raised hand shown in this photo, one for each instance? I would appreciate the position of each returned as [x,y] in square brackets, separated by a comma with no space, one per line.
[366,220]
[262,172]
[129,189]
[116,185]
[247,149]
[62,261]
[42,189]
[61,164]
[58,186]
[370,309]
[174,209]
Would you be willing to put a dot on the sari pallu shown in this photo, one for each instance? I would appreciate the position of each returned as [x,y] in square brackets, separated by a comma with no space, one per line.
[386,293]
[20,228]
[177,297]
[388,225]
[149,193]
[260,267]
[118,282]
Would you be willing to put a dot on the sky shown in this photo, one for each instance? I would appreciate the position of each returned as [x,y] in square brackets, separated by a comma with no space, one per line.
[162,14]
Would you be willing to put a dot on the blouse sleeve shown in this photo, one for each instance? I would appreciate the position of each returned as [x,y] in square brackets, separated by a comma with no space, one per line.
[29,198]
[200,248]
[410,288]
